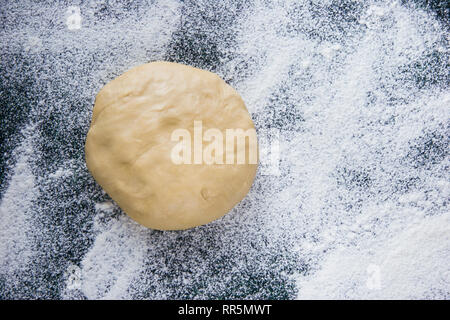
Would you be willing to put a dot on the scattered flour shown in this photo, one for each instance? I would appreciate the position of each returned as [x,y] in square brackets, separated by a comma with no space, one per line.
[16,213]
[355,208]
[409,265]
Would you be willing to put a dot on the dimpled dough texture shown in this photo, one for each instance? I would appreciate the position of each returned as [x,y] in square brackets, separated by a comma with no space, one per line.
[128,146]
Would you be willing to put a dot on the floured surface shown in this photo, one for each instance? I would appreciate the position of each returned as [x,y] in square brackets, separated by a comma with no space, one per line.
[358,92]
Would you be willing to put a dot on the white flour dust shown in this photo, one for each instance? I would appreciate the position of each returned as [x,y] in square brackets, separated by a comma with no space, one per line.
[357,208]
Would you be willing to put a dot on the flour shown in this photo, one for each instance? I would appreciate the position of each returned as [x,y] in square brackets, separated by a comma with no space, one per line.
[355,207]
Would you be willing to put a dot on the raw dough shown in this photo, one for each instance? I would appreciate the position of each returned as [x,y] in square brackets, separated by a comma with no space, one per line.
[128,146]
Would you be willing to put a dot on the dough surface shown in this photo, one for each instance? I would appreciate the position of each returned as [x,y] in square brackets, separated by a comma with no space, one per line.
[128,146]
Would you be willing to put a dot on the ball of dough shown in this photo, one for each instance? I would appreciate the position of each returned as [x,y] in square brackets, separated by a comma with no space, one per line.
[129,145]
